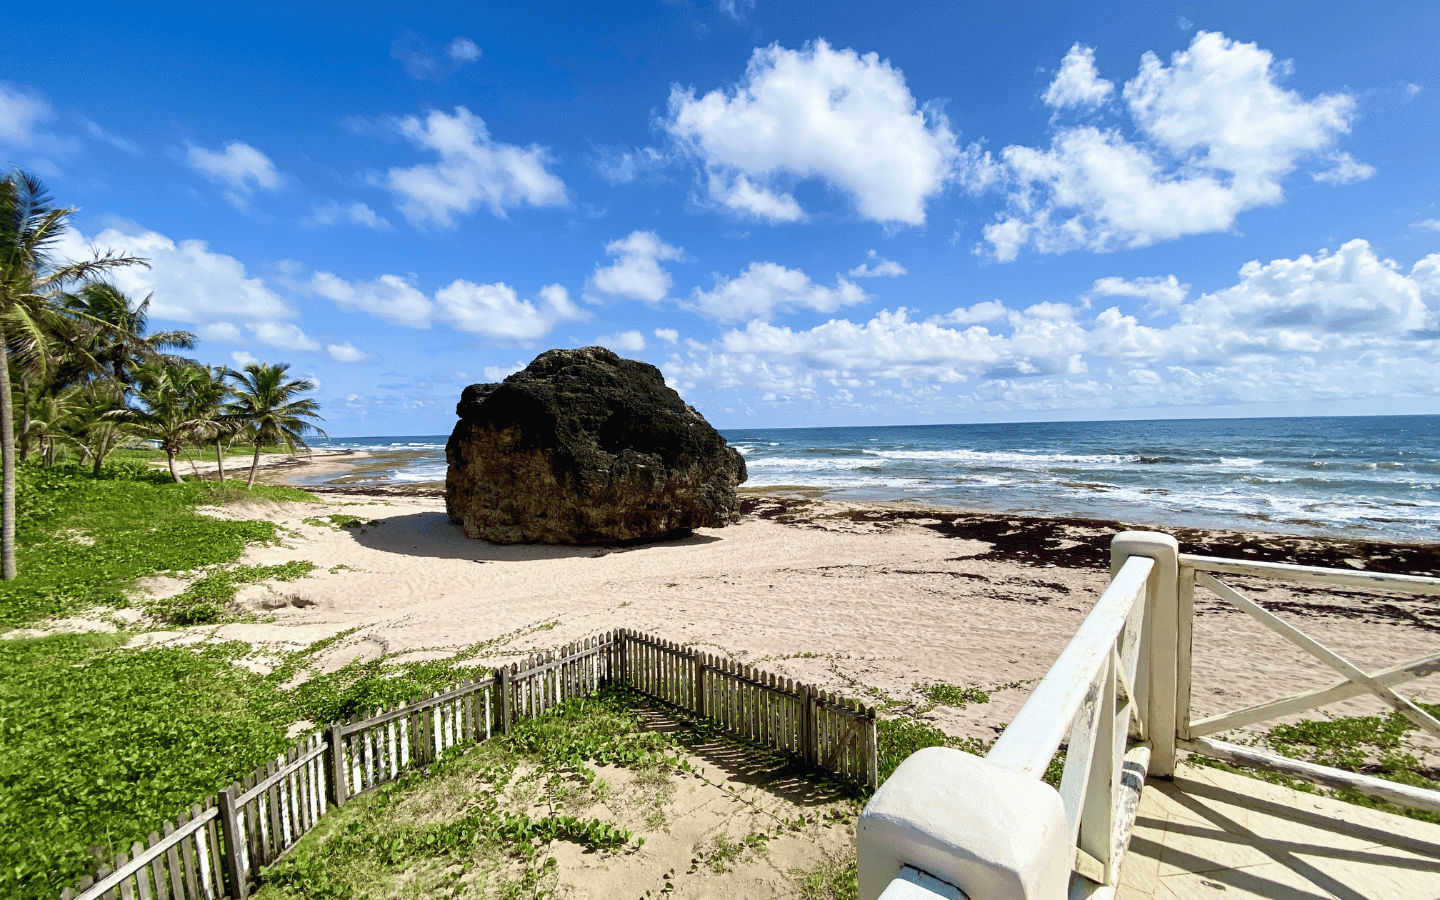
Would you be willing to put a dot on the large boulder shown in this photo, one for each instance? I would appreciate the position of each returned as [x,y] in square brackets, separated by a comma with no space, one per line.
[583,447]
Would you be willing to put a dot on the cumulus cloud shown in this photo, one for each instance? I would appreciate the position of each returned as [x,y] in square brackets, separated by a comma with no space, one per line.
[845,119]
[668,335]
[766,288]
[496,310]
[462,50]
[242,358]
[1157,293]
[346,352]
[1078,83]
[1337,324]
[239,167]
[473,170]
[353,213]
[636,273]
[191,282]
[1428,224]
[388,297]
[876,267]
[622,342]
[285,335]
[500,373]
[1215,134]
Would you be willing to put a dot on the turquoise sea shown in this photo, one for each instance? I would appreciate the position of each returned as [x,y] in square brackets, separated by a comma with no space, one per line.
[1371,477]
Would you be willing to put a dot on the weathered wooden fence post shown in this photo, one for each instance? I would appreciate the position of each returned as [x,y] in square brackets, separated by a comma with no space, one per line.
[699,689]
[623,657]
[337,765]
[230,831]
[504,723]
[807,725]
[872,750]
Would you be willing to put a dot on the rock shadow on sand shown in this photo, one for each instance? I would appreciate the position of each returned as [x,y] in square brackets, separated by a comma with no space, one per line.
[433,535]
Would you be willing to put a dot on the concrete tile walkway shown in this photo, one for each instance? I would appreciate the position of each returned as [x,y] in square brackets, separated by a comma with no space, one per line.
[1219,836]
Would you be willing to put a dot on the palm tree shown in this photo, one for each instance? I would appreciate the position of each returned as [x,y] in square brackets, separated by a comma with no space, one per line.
[95,430]
[271,408]
[30,282]
[212,395]
[170,413]
[114,328]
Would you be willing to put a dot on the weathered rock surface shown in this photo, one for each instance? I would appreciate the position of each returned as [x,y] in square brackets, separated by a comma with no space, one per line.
[583,447]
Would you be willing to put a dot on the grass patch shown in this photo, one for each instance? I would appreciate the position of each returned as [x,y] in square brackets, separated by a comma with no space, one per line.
[942,694]
[99,745]
[207,601]
[1367,745]
[835,877]
[898,738]
[135,523]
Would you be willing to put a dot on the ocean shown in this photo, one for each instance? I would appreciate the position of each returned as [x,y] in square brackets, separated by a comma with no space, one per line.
[1361,477]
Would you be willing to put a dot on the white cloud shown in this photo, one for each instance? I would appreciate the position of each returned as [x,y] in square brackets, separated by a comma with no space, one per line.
[20,112]
[833,115]
[1078,83]
[636,273]
[735,9]
[239,166]
[473,170]
[1428,224]
[1158,293]
[191,283]
[500,373]
[495,310]
[387,297]
[1217,136]
[462,50]
[876,267]
[23,112]
[345,352]
[242,359]
[766,288]
[220,332]
[1335,325]
[285,335]
[668,335]
[353,213]
[624,166]
[623,342]
[114,140]
[1345,169]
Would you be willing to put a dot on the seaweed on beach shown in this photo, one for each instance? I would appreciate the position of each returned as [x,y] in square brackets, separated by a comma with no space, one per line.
[1085,543]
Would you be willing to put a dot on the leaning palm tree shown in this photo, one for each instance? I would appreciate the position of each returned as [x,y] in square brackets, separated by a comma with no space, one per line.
[30,282]
[270,408]
[169,413]
[95,430]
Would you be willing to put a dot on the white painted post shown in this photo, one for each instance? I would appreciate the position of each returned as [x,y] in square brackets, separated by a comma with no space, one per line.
[991,832]
[1158,685]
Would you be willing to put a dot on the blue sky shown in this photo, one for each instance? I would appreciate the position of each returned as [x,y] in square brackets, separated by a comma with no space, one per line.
[804,214]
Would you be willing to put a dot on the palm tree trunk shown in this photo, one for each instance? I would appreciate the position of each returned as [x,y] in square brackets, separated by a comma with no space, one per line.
[220,460]
[7,461]
[25,408]
[254,464]
[174,472]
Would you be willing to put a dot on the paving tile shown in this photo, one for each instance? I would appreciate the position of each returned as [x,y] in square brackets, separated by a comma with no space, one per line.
[1270,882]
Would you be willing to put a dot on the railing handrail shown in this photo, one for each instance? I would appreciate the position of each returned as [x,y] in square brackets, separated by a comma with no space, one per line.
[1419,585]
[1032,738]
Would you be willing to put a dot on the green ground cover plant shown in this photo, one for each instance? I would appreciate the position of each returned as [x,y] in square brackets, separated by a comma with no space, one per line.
[82,541]
[1369,745]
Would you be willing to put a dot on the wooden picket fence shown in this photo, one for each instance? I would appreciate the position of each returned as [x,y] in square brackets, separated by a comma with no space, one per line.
[217,849]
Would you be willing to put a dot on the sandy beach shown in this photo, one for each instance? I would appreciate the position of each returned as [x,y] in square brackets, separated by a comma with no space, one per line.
[874,601]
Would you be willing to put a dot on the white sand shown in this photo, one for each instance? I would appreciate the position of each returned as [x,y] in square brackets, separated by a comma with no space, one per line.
[868,610]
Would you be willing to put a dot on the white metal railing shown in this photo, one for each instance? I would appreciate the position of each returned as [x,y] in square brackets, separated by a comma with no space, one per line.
[1103,698]
[947,824]
[1194,736]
